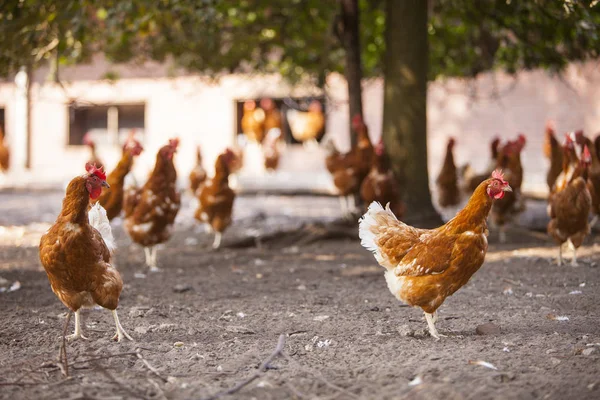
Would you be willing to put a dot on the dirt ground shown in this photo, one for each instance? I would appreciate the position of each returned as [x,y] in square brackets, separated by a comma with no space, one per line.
[210,318]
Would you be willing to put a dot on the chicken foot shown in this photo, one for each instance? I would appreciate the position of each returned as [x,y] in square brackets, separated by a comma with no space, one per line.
[120,331]
[78,334]
[431,318]
[217,242]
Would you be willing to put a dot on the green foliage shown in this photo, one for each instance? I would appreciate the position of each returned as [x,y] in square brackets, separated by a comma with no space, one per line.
[296,38]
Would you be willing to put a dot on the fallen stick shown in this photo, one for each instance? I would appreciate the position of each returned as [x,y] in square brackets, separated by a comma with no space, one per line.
[149,366]
[263,367]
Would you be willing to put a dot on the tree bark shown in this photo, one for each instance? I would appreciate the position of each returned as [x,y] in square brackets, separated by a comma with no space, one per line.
[353,69]
[405,106]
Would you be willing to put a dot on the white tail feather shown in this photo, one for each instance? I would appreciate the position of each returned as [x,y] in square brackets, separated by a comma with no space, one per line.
[366,224]
[98,219]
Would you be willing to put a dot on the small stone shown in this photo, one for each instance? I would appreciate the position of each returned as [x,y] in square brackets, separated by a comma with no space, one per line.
[181,288]
[375,308]
[178,344]
[142,330]
[404,330]
[301,287]
[555,361]
[550,351]
[487,329]
[320,318]
[589,351]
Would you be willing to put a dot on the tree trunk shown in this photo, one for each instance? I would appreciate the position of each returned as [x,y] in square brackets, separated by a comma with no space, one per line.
[405,106]
[353,68]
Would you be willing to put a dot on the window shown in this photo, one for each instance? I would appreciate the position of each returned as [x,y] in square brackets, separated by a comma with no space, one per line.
[283,105]
[107,125]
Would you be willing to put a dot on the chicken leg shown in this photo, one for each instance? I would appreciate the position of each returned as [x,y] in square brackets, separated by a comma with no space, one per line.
[502,233]
[559,261]
[120,331]
[431,318]
[78,334]
[217,242]
[574,260]
[344,205]
[151,258]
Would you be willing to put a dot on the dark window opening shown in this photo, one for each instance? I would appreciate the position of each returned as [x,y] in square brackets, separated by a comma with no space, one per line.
[284,105]
[106,125]
[2,121]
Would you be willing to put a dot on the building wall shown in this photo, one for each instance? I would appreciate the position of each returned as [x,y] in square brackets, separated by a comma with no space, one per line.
[202,112]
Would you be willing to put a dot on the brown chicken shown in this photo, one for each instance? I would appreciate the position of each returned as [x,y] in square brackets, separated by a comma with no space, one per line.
[216,198]
[505,209]
[272,115]
[380,185]
[151,210]
[4,154]
[271,150]
[349,170]
[306,126]
[112,199]
[569,209]
[94,159]
[198,174]
[76,252]
[447,180]
[425,266]
[593,181]
[253,122]
[471,181]
[569,165]
[554,153]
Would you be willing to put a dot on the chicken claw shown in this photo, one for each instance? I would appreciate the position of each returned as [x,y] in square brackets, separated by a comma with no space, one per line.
[120,331]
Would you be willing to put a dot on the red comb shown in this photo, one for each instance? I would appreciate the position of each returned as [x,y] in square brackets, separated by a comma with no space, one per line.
[550,126]
[497,174]
[93,170]
[586,156]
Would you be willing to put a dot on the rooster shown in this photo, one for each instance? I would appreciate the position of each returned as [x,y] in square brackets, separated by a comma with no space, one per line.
[425,266]
[112,200]
[447,180]
[348,170]
[380,185]
[306,126]
[89,142]
[253,122]
[569,209]
[151,210]
[552,151]
[4,153]
[216,198]
[509,159]
[76,252]
[198,174]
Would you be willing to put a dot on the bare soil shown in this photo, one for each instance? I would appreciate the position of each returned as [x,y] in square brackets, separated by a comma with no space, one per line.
[210,318]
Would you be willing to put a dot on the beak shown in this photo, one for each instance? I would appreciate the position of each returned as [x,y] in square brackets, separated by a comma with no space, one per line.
[507,188]
[105,184]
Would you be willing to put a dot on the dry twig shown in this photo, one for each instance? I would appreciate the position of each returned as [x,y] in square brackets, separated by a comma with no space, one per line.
[263,367]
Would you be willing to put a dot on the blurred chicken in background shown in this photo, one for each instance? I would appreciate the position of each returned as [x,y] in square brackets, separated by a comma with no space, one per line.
[89,142]
[4,154]
[306,126]
[198,174]
[253,122]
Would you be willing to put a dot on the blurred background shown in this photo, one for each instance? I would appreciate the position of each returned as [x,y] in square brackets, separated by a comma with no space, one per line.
[99,69]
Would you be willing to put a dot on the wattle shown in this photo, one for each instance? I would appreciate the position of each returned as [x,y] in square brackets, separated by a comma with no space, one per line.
[95,193]
[499,195]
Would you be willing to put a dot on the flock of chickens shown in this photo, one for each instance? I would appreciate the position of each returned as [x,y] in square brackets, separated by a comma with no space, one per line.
[423,266]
